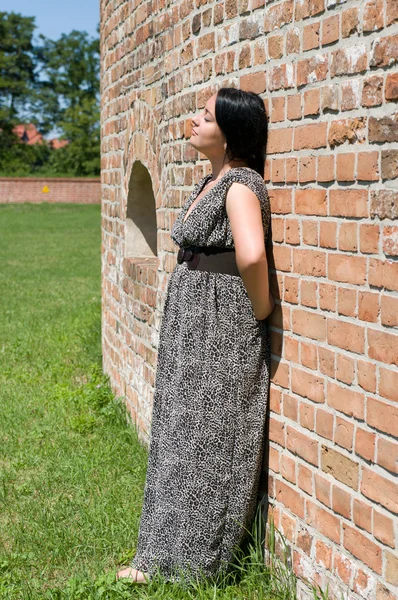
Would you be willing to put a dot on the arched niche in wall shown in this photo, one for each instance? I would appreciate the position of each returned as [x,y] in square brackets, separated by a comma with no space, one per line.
[141,228]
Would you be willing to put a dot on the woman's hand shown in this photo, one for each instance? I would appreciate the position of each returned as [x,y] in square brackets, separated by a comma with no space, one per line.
[268,311]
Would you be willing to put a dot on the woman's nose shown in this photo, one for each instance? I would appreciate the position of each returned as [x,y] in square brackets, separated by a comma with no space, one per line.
[194,122]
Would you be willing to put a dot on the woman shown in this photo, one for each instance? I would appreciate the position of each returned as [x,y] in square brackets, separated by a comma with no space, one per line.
[212,377]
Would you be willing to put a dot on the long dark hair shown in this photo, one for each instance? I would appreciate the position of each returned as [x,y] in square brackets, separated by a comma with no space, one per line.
[242,118]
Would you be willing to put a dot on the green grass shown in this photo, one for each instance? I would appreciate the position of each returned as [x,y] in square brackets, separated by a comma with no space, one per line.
[72,469]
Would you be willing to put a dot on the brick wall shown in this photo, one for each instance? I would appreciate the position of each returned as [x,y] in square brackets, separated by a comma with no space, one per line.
[50,189]
[327,71]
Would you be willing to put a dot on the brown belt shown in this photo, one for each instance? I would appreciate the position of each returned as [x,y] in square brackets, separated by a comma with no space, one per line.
[209,258]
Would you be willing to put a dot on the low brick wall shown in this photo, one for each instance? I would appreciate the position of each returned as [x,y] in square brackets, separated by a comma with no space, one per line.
[50,189]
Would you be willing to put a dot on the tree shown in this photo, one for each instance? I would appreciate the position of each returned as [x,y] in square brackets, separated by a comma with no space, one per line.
[17,78]
[55,85]
[81,127]
[17,62]
[67,97]
[69,74]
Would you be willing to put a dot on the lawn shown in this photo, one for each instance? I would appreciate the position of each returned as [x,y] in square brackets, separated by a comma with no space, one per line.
[72,469]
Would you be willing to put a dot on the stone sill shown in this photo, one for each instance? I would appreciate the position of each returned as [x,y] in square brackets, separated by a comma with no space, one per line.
[131,265]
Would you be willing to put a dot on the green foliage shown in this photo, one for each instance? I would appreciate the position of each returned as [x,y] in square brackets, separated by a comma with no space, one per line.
[81,156]
[19,159]
[17,62]
[55,85]
[69,76]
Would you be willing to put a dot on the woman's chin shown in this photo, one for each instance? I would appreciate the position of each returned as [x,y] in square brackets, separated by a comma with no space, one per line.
[192,141]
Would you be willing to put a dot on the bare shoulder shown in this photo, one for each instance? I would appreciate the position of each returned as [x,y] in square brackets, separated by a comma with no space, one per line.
[246,190]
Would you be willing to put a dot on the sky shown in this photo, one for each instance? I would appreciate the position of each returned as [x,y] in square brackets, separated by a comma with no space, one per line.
[55,17]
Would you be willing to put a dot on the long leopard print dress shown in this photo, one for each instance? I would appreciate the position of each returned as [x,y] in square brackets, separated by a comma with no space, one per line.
[211,392]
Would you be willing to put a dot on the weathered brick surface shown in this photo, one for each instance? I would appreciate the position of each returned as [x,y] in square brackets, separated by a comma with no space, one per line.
[50,189]
[327,72]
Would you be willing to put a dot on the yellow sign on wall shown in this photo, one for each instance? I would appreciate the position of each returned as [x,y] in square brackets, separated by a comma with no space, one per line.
[46,189]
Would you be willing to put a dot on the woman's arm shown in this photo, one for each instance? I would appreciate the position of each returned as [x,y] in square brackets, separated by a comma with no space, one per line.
[244,213]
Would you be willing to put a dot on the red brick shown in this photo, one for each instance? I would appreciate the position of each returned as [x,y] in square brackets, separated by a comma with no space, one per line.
[255,82]
[366,372]
[288,526]
[309,324]
[380,489]
[309,355]
[369,238]
[310,232]
[388,384]
[382,416]
[383,274]
[389,310]
[275,397]
[310,136]
[346,335]
[365,444]
[291,349]
[288,468]
[291,289]
[363,515]
[323,554]
[383,346]
[281,258]
[341,502]
[349,203]
[305,479]
[387,455]
[311,202]
[343,566]
[345,369]
[276,432]
[324,424]
[308,385]
[326,361]
[344,433]
[368,306]
[302,445]
[363,548]
[322,489]
[68,189]
[290,498]
[347,302]
[308,293]
[347,269]
[345,400]
[348,237]
[309,262]
[307,413]
[328,234]
[324,521]
[327,296]
[292,234]
[280,373]
[383,529]
[273,459]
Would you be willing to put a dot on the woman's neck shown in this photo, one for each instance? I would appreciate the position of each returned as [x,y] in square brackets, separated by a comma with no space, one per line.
[219,169]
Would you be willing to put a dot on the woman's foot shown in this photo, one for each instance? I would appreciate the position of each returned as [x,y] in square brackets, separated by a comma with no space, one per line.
[133,574]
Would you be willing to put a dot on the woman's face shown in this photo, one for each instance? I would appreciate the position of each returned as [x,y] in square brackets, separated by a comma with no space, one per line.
[206,136]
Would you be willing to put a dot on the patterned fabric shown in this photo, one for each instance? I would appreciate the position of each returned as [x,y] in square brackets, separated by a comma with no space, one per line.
[210,401]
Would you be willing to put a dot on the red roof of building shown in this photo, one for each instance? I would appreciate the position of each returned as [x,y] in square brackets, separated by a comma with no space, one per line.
[28,133]
[57,143]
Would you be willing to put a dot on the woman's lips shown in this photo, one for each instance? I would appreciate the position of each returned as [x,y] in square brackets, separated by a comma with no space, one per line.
[194,132]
